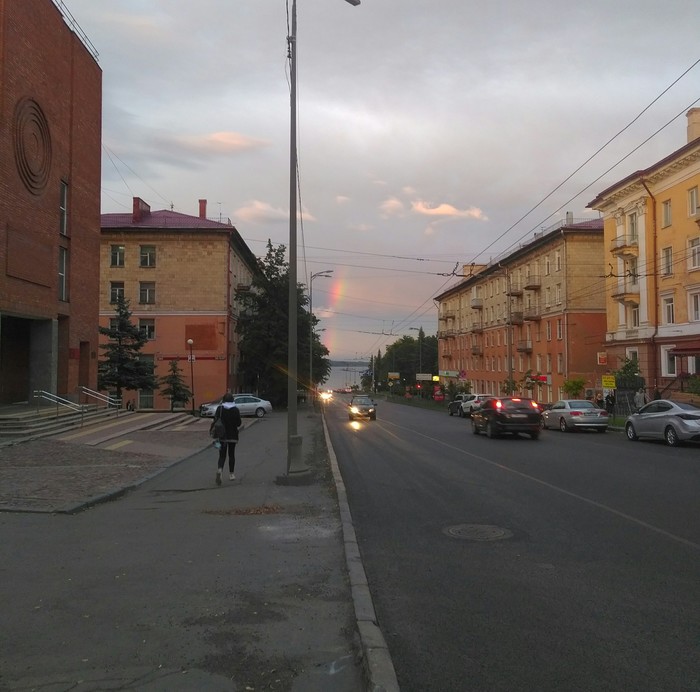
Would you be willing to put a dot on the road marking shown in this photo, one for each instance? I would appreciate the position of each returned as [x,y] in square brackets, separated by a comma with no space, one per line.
[117,445]
[587,500]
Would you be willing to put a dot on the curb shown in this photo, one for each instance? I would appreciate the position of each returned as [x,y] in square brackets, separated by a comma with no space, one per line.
[376,659]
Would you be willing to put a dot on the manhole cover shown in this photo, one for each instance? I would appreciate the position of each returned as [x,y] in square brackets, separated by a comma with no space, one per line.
[478,532]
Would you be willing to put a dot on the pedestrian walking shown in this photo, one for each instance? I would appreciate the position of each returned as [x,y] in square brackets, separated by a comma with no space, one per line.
[640,398]
[230,416]
[610,402]
[599,400]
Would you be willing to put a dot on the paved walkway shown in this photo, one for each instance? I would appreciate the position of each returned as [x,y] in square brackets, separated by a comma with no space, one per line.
[68,473]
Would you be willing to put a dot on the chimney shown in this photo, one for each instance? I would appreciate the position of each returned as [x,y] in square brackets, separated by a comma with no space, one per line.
[202,208]
[693,116]
[569,218]
[140,210]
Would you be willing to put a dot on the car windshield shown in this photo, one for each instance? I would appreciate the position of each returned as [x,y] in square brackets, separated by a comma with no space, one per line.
[363,401]
[516,403]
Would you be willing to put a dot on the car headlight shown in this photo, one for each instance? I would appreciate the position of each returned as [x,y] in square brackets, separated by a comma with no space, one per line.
[354,409]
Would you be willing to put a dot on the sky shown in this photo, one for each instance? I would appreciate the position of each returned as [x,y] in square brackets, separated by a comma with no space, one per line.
[430,134]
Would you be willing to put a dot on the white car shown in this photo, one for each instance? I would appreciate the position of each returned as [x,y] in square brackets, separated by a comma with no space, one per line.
[473,401]
[248,405]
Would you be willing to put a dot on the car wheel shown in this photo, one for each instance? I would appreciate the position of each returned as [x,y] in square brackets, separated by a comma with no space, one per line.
[601,430]
[461,412]
[475,428]
[534,435]
[631,432]
[671,437]
[374,417]
[260,412]
[562,425]
[543,423]
[490,432]
[450,411]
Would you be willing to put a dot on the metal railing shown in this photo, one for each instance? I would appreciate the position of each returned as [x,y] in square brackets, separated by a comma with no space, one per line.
[59,401]
[109,401]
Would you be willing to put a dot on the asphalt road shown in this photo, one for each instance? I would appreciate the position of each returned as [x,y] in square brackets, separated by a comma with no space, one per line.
[567,563]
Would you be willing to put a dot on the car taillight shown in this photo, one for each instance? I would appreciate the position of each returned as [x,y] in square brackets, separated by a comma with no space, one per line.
[688,416]
[535,404]
[575,413]
[603,414]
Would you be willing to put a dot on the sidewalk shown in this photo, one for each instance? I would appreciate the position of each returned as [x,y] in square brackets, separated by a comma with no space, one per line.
[64,477]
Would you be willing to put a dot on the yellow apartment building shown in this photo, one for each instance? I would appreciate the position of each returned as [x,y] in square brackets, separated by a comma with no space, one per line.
[652,246]
[534,317]
[180,274]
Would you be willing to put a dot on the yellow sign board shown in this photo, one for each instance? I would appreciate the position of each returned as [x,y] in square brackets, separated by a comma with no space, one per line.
[608,382]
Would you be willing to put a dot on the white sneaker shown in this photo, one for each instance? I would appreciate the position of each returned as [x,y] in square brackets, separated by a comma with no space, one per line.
[218,477]
[231,477]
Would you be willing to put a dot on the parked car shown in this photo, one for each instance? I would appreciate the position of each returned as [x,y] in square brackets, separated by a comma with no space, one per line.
[663,419]
[510,414]
[362,407]
[473,402]
[248,405]
[575,414]
[455,406]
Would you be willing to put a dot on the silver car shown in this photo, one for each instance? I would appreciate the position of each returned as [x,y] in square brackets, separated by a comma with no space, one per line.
[248,405]
[663,419]
[575,414]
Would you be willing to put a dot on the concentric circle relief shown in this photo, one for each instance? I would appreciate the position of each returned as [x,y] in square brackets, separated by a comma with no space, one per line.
[32,145]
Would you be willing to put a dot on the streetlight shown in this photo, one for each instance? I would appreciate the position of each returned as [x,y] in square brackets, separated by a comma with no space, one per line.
[294,462]
[420,345]
[190,343]
[325,274]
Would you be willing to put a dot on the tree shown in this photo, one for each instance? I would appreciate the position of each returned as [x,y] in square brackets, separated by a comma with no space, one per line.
[122,368]
[175,386]
[574,387]
[263,328]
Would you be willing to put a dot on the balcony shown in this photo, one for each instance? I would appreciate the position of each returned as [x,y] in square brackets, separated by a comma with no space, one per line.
[532,313]
[477,328]
[524,346]
[625,246]
[477,350]
[447,315]
[450,333]
[627,293]
[514,289]
[533,282]
[516,317]
[477,303]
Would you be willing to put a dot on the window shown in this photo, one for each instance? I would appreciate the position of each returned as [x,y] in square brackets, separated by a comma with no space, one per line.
[667,261]
[549,362]
[634,316]
[547,297]
[116,291]
[632,271]
[666,213]
[560,331]
[147,256]
[668,311]
[148,329]
[62,274]
[692,201]
[538,360]
[694,307]
[557,294]
[547,266]
[668,362]
[694,253]
[632,232]
[147,292]
[548,327]
[117,255]
[63,209]
[557,261]
[560,363]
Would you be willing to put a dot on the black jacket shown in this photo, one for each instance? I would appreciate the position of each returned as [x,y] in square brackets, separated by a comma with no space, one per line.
[231,418]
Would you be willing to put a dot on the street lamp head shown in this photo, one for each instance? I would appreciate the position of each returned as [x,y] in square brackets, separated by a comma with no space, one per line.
[355,3]
[190,342]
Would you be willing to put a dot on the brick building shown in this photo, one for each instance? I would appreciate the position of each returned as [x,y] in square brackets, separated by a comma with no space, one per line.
[180,274]
[535,317]
[50,139]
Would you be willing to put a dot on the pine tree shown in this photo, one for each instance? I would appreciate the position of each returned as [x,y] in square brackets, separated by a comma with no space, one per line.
[121,367]
[175,386]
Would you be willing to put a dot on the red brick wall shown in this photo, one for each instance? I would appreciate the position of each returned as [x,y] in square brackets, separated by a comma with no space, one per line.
[44,62]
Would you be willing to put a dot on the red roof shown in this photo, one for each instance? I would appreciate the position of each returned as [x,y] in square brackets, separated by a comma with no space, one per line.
[163,218]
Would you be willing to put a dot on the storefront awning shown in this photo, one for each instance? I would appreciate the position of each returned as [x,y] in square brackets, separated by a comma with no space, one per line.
[689,348]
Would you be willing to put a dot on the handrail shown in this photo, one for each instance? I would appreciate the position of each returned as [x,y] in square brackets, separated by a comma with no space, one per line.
[59,401]
[112,401]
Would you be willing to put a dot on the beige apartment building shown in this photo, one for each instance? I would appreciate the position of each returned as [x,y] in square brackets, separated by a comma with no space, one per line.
[180,274]
[531,319]
[652,247]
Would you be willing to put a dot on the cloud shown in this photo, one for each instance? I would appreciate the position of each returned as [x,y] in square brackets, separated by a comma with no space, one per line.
[447,210]
[391,207]
[220,143]
[341,199]
[256,211]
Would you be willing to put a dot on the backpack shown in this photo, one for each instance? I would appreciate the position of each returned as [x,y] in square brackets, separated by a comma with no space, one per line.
[217,429]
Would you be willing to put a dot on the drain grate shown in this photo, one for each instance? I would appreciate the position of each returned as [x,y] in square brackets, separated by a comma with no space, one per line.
[478,532]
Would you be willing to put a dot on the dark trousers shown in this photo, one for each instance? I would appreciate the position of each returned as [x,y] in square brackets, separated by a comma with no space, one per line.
[229,445]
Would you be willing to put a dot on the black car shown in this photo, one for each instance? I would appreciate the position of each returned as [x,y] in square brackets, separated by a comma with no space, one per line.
[362,407]
[507,414]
